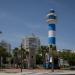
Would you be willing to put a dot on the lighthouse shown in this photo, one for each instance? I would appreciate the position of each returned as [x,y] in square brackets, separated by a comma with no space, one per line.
[52,19]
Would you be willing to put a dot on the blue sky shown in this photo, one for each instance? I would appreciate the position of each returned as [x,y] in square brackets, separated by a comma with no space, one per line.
[20,18]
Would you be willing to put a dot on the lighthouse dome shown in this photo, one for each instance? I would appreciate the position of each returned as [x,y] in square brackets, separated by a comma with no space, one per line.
[52,11]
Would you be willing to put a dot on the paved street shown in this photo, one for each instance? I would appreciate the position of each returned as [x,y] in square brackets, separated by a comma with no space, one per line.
[33,73]
[37,72]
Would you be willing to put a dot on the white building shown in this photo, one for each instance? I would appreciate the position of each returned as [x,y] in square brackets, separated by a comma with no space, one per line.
[31,41]
[31,44]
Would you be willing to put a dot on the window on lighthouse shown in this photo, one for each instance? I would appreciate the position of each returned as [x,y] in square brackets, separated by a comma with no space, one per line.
[52,17]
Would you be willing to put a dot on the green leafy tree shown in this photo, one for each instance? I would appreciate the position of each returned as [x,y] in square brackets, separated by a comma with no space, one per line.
[19,56]
[40,57]
[68,56]
[15,56]
[3,55]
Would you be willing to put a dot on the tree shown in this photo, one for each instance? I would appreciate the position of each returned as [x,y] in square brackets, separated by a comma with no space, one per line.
[15,56]
[68,56]
[19,55]
[3,55]
[71,59]
[40,57]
